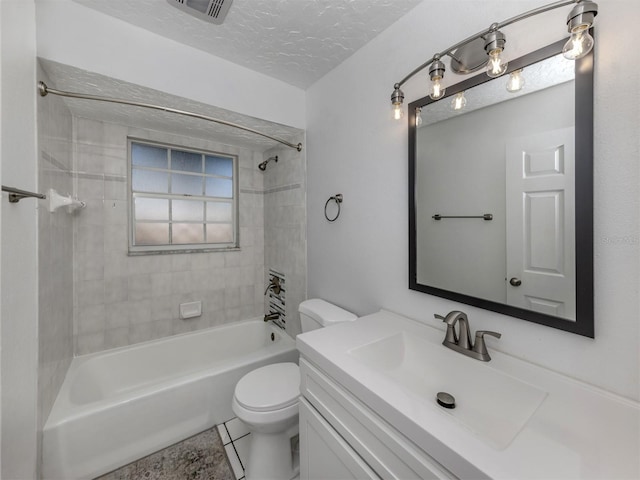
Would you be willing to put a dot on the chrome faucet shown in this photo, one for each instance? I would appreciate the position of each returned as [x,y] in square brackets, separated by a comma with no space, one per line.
[271,316]
[462,343]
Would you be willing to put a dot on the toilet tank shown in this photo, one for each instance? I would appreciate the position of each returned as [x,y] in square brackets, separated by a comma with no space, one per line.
[316,313]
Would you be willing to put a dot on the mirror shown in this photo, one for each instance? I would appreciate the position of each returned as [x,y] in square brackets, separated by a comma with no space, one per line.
[501,193]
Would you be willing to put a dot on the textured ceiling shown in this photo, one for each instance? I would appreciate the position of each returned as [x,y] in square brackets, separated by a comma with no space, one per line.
[296,41]
[65,77]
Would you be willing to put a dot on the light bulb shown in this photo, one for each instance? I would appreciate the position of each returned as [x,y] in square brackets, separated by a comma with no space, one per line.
[458,102]
[515,82]
[397,110]
[496,66]
[397,97]
[579,44]
[418,117]
[437,90]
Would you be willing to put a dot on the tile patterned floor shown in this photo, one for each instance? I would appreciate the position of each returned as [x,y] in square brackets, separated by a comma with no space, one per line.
[201,457]
[235,438]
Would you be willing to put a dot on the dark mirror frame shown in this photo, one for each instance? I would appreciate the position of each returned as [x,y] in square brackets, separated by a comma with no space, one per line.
[584,323]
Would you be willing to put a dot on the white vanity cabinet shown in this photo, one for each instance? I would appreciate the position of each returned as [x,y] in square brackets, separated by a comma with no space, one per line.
[369,402]
[324,455]
[341,438]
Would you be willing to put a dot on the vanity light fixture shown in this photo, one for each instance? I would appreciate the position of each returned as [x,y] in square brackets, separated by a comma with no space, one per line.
[436,73]
[418,116]
[397,98]
[494,46]
[458,102]
[516,81]
[579,21]
[465,59]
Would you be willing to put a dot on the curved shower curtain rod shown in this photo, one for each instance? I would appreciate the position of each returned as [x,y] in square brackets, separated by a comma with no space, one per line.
[44,90]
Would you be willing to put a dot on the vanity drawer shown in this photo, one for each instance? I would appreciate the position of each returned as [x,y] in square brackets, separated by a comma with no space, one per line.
[384,449]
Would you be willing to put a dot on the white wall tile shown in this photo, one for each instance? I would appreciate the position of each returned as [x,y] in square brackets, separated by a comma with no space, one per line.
[55,252]
[116,337]
[89,343]
[142,293]
[91,319]
[139,287]
[117,315]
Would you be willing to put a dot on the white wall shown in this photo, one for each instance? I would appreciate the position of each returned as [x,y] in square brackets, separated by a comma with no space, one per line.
[19,347]
[75,35]
[354,148]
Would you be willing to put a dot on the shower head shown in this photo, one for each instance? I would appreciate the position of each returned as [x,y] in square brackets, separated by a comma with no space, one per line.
[263,165]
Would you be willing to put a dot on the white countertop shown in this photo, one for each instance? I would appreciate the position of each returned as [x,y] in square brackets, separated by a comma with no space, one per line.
[578,431]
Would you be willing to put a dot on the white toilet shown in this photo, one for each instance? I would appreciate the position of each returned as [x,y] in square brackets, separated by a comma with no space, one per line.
[266,400]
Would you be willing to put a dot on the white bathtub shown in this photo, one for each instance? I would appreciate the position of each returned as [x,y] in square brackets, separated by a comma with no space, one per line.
[119,405]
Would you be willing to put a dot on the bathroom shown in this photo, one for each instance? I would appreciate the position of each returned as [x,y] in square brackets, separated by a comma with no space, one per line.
[350,146]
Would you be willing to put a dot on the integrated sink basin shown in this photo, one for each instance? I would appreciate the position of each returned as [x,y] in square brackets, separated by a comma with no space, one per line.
[490,403]
[512,419]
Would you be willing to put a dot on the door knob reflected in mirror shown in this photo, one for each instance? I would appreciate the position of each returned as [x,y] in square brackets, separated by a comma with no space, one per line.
[516,282]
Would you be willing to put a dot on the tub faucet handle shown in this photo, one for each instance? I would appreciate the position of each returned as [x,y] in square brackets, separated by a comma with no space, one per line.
[274,284]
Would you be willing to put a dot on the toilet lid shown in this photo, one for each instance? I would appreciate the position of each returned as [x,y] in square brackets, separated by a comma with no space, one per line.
[269,388]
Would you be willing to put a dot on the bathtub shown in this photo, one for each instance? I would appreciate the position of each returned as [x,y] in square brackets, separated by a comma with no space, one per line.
[122,404]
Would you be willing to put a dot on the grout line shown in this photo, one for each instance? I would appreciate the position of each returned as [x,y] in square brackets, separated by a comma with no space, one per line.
[228,434]
[232,440]
[239,459]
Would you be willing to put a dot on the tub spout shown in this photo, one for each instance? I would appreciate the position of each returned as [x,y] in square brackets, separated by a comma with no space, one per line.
[271,316]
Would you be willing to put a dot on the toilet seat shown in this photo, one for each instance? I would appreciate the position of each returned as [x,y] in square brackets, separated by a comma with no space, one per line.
[269,388]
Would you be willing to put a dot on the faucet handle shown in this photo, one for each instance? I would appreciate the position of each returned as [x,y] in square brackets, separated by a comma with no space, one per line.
[479,345]
[451,336]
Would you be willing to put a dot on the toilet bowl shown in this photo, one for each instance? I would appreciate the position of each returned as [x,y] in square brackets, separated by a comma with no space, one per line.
[266,400]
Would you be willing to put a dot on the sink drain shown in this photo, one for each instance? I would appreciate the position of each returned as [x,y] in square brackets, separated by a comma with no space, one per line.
[446,400]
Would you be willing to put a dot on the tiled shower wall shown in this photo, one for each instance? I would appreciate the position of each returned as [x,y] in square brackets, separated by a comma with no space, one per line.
[55,251]
[120,299]
[285,219]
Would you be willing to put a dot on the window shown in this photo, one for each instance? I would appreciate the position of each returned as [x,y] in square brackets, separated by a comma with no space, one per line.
[181,199]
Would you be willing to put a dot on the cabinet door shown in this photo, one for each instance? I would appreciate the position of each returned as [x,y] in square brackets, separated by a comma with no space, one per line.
[324,455]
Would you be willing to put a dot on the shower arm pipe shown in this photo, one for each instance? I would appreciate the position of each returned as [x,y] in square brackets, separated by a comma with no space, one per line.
[44,90]
[495,26]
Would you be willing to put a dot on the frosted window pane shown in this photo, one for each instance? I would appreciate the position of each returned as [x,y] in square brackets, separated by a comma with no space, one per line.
[152,234]
[187,210]
[148,156]
[186,184]
[218,166]
[187,233]
[219,212]
[219,233]
[219,187]
[147,181]
[186,161]
[152,209]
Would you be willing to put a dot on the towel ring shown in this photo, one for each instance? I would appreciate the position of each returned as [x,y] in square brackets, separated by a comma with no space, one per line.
[336,198]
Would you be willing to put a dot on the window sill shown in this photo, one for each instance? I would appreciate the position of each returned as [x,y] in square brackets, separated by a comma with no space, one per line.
[172,252]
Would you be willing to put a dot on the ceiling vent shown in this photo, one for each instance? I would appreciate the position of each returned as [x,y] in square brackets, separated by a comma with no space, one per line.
[213,11]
